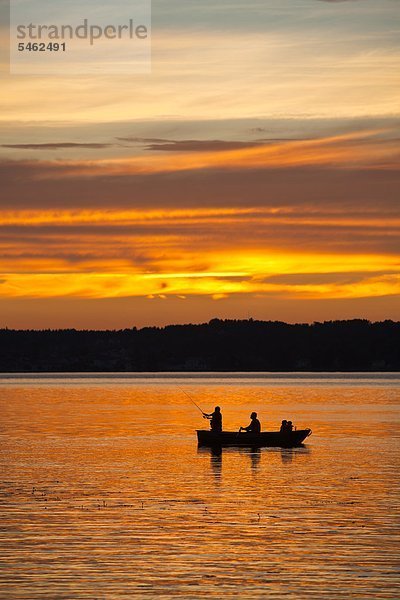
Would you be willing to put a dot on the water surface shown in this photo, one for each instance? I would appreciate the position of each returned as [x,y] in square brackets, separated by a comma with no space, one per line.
[104,493]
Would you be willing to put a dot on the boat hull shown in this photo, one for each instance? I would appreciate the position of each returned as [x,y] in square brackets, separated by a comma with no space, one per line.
[252,440]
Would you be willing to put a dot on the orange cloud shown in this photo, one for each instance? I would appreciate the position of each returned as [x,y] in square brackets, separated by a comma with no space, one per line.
[259,215]
[227,273]
[210,251]
[357,149]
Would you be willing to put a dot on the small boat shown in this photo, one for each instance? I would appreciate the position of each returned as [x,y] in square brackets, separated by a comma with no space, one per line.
[288,439]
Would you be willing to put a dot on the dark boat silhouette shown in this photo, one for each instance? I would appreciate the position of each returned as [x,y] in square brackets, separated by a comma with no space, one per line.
[288,439]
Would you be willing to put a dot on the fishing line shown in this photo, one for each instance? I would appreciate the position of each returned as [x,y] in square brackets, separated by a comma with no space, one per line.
[193,402]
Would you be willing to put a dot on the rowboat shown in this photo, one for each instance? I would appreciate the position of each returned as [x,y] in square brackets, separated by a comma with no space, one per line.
[288,439]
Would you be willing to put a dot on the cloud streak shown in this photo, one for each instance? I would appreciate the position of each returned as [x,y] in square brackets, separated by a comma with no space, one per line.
[165,145]
[358,149]
[58,146]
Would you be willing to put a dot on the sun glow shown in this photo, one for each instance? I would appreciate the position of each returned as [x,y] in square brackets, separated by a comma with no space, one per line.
[227,273]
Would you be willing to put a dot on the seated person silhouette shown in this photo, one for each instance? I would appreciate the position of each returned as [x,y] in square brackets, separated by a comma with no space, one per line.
[215,419]
[286,426]
[255,425]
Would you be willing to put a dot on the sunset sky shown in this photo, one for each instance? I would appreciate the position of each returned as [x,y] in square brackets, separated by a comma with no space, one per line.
[253,173]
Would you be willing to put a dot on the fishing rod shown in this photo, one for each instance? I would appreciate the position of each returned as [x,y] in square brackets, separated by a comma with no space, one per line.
[193,402]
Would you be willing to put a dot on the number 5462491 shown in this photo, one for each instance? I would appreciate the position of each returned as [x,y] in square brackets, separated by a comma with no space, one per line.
[42,47]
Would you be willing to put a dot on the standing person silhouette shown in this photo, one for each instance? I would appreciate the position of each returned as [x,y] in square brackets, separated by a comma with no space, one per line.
[215,419]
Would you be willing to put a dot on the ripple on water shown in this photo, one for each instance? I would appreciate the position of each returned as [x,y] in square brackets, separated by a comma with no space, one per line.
[104,493]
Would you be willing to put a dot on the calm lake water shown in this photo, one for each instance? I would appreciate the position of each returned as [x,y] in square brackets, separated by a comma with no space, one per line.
[104,493]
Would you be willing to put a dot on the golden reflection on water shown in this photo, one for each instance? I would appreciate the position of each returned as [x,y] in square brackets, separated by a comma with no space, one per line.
[104,493]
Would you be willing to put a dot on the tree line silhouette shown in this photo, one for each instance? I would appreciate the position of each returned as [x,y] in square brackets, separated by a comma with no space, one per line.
[220,345]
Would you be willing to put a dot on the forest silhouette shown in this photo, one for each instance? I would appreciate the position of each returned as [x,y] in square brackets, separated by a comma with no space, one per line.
[220,345]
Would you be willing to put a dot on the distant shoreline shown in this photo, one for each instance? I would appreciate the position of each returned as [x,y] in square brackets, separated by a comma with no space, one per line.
[268,375]
[222,346]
